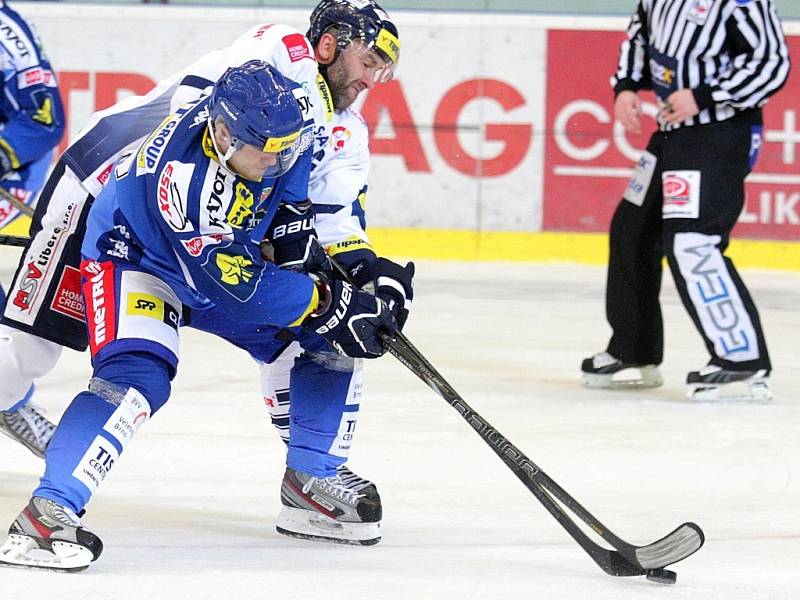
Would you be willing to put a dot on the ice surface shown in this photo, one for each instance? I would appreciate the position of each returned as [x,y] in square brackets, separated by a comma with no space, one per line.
[189,511]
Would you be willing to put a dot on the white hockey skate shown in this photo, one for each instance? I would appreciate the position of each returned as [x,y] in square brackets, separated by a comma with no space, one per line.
[330,510]
[28,426]
[49,536]
[604,371]
[715,384]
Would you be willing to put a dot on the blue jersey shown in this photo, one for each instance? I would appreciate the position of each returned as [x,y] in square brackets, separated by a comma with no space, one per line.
[174,211]
[31,114]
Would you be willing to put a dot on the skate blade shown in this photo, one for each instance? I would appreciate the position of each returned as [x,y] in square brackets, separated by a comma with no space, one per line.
[310,525]
[23,551]
[732,393]
[648,377]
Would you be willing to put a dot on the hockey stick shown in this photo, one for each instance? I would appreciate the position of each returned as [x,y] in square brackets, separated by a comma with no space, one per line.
[14,240]
[626,559]
[16,202]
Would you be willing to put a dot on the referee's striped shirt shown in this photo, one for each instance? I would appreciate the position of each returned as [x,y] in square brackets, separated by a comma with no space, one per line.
[730,53]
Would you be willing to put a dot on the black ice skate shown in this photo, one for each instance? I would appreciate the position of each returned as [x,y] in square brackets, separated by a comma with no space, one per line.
[605,371]
[713,383]
[29,427]
[337,509]
[49,536]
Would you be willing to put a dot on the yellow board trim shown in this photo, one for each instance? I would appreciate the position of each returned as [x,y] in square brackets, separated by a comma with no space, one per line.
[587,248]
[19,226]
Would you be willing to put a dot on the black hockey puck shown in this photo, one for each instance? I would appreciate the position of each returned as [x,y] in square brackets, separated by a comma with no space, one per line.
[662,575]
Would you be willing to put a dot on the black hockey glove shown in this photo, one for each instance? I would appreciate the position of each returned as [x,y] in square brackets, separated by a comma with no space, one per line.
[360,265]
[395,286]
[292,240]
[351,320]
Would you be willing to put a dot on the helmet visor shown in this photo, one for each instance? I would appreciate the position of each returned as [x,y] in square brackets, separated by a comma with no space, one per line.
[286,151]
[380,62]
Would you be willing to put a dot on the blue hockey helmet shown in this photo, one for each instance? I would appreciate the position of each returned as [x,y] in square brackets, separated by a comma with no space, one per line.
[361,20]
[259,107]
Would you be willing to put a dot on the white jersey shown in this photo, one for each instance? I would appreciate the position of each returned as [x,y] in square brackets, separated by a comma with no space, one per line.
[338,184]
[121,128]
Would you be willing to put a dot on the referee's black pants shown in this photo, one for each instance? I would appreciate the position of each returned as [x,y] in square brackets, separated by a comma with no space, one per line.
[691,228]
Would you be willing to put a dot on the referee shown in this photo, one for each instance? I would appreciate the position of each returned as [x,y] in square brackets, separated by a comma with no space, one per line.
[713,64]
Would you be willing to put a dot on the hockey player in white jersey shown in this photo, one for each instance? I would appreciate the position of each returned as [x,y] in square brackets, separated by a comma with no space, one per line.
[359,44]
[338,189]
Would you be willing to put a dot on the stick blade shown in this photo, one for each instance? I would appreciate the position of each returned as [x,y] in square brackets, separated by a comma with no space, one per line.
[673,547]
[613,563]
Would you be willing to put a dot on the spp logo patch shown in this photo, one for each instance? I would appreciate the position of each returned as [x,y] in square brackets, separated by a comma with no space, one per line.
[139,304]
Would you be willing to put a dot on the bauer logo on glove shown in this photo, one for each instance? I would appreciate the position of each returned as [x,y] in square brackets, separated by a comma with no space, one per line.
[351,320]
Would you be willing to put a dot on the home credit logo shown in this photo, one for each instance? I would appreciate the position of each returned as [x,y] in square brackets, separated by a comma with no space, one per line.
[589,156]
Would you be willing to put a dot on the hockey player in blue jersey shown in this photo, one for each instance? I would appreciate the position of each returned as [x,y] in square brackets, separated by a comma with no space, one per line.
[31,125]
[175,239]
[357,47]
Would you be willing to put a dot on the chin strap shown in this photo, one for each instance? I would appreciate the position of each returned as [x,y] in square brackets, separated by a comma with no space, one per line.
[223,157]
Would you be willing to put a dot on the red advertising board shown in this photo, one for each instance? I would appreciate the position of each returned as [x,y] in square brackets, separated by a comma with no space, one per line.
[588,155]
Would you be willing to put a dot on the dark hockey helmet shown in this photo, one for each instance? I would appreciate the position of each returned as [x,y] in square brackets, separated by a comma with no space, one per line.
[361,20]
[259,107]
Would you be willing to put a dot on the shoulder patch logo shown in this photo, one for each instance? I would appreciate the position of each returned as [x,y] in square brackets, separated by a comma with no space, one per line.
[44,114]
[233,269]
[296,46]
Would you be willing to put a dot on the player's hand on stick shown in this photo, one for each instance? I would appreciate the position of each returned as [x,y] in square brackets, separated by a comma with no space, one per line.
[351,320]
[628,110]
[395,285]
